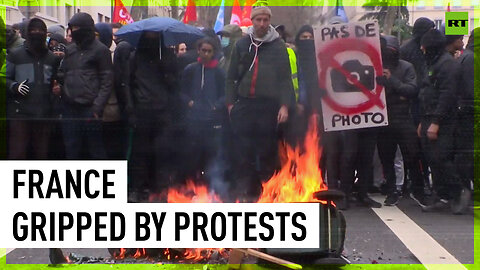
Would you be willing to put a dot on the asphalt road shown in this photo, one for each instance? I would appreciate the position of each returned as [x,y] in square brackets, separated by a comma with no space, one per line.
[401,234]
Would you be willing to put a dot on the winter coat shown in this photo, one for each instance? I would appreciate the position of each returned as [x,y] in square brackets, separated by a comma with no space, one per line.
[309,92]
[121,58]
[88,75]
[411,52]
[269,68]
[438,93]
[400,89]
[151,82]
[467,79]
[209,99]
[21,65]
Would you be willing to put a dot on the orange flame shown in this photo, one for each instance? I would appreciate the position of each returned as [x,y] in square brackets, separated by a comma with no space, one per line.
[140,253]
[192,193]
[300,176]
[298,179]
[121,255]
[198,254]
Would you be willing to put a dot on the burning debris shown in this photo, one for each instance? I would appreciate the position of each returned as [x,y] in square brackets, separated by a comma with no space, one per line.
[170,255]
[298,180]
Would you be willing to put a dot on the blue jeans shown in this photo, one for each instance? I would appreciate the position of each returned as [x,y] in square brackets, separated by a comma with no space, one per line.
[81,128]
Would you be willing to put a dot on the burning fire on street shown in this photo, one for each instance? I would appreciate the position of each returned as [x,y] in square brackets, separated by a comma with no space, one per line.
[298,180]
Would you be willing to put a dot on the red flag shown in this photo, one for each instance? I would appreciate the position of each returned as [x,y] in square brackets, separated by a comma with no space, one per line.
[247,10]
[236,14]
[190,13]
[120,13]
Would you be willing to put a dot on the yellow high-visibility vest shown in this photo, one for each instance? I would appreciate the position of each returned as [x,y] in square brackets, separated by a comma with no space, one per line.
[293,67]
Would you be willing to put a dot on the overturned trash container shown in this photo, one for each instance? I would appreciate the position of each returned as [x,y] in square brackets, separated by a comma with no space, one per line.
[332,235]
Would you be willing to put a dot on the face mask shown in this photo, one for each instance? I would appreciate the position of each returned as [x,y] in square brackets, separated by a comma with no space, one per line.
[37,40]
[225,41]
[149,43]
[80,35]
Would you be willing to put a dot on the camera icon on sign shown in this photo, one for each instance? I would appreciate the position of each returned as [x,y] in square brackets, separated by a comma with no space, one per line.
[364,74]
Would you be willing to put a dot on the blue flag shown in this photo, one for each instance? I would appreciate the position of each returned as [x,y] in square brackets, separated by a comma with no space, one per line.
[220,18]
[340,11]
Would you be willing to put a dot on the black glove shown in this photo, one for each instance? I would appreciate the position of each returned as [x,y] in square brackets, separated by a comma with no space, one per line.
[23,88]
[382,80]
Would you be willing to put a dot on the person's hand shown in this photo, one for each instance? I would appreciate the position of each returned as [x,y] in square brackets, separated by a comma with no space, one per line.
[56,90]
[282,114]
[387,73]
[230,107]
[23,88]
[419,130]
[432,132]
[95,115]
[457,54]
[190,104]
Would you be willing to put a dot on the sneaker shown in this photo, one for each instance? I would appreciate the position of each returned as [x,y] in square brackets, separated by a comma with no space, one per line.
[391,200]
[419,199]
[437,205]
[368,202]
[460,204]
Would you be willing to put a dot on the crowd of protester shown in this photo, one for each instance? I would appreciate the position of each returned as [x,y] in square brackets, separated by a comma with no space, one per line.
[214,111]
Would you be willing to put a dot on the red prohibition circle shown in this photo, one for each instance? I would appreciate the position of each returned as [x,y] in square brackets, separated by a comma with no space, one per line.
[339,46]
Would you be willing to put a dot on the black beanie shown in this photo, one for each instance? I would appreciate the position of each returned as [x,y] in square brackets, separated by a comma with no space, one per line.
[433,39]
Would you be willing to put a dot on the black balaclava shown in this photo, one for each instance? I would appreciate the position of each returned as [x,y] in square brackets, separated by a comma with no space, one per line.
[37,42]
[421,26]
[434,43]
[390,51]
[86,32]
[149,41]
[304,28]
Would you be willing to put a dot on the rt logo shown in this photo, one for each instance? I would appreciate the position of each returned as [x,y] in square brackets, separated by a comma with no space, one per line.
[457,23]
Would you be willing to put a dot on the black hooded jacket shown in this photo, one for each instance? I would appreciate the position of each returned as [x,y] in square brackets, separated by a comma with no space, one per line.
[40,69]
[467,77]
[152,81]
[411,52]
[438,93]
[87,69]
[400,88]
[121,58]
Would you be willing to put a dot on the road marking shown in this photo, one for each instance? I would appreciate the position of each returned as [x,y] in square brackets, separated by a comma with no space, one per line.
[430,253]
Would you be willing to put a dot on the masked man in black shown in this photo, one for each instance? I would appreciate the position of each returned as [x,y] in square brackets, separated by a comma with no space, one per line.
[30,73]
[88,81]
